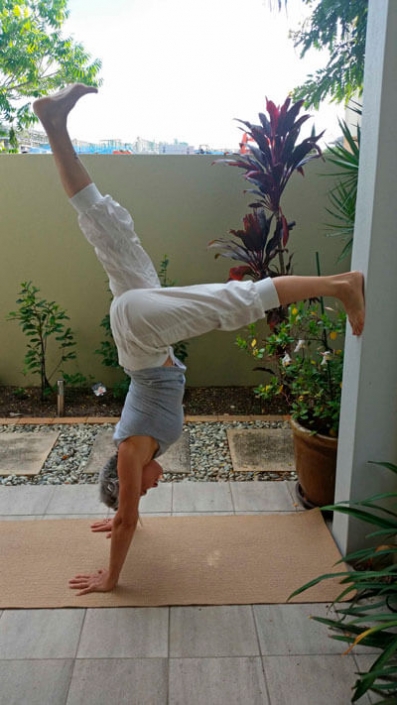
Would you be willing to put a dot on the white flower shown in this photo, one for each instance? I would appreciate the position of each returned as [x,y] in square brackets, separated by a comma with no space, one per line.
[300,344]
[326,355]
[286,360]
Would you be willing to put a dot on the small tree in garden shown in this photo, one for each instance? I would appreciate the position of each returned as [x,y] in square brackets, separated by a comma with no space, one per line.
[273,155]
[42,321]
[36,58]
[339,27]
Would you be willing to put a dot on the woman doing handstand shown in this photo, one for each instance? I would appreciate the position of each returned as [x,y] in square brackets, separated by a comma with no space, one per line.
[146,320]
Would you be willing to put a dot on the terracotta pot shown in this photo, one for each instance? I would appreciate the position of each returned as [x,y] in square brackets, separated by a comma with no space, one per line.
[315,458]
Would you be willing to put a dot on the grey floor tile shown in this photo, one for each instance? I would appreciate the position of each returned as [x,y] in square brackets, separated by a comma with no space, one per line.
[90,517]
[213,631]
[261,497]
[125,633]
[76,499]
[21,517]
[201,497]
[288,629]
[369,622]
[40,634]
[291,487]
[218,681]
[204,514]
[35,682]
[119,682]
[307,680]
[158,500]
[25,499]
[364,663]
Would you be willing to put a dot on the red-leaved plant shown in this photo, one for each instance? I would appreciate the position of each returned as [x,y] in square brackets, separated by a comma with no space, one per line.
[272,155]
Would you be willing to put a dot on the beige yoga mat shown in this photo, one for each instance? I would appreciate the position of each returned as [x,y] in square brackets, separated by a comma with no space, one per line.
[190,560]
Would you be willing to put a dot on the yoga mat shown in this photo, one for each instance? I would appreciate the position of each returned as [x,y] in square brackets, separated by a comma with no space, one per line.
[189,560]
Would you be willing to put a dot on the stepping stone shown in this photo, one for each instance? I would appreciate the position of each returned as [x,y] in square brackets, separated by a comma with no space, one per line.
[261,449]
[25,453]
[102,449]
[176,459]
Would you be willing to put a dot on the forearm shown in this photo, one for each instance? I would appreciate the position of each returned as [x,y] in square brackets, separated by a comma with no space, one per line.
[122,535]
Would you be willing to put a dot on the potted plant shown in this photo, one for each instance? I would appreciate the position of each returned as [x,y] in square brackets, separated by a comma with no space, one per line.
[357,619]
[304,357]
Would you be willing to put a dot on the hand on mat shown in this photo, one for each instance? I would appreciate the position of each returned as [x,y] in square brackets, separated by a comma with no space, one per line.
[96,582]
[103,525]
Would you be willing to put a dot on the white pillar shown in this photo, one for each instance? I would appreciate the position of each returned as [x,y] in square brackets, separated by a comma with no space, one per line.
[368,424]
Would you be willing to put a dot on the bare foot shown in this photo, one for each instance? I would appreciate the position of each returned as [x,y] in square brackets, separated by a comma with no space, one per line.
[53,110]
[352,297]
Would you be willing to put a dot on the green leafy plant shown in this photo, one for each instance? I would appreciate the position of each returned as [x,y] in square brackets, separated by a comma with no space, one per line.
[181,347]
[271,155]
[43,321]
[36,58]
[345,156]
[339,27]
[304,358]
[373,575]
[108,350]
[20,393]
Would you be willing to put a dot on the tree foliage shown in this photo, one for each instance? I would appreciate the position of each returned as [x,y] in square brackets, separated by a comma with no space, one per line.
[340,27]
[36,58]
[43,321]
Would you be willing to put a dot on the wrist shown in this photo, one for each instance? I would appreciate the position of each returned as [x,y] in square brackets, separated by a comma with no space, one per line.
[112,581]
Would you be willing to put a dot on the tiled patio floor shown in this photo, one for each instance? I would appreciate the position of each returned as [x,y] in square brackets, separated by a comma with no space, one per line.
[231,655]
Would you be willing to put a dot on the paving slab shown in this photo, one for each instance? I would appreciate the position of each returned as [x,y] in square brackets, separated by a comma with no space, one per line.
[119,681]
[25,500]
[40,634]
[75,499]
[262,497]
[191,497]
[213,632]
[102,449]
[285,630]
[300,680]
[261,449]
[35,682]
[176,459]
[25,453]
[125,633]
[216,681]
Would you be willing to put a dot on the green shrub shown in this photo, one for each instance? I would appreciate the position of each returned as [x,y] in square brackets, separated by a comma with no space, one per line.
[374,575]
[42,322]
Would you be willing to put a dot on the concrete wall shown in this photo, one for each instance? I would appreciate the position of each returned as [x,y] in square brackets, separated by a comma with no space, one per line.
[178,204]
[369,399]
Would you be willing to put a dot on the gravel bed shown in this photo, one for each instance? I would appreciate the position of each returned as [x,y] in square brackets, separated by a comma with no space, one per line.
[209,455]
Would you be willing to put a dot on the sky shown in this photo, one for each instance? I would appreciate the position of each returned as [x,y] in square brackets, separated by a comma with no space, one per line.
[184,69]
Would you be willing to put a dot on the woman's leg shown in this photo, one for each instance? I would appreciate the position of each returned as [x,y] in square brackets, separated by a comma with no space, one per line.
[53,113]
[347,288]
[157,318]
[107,226]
